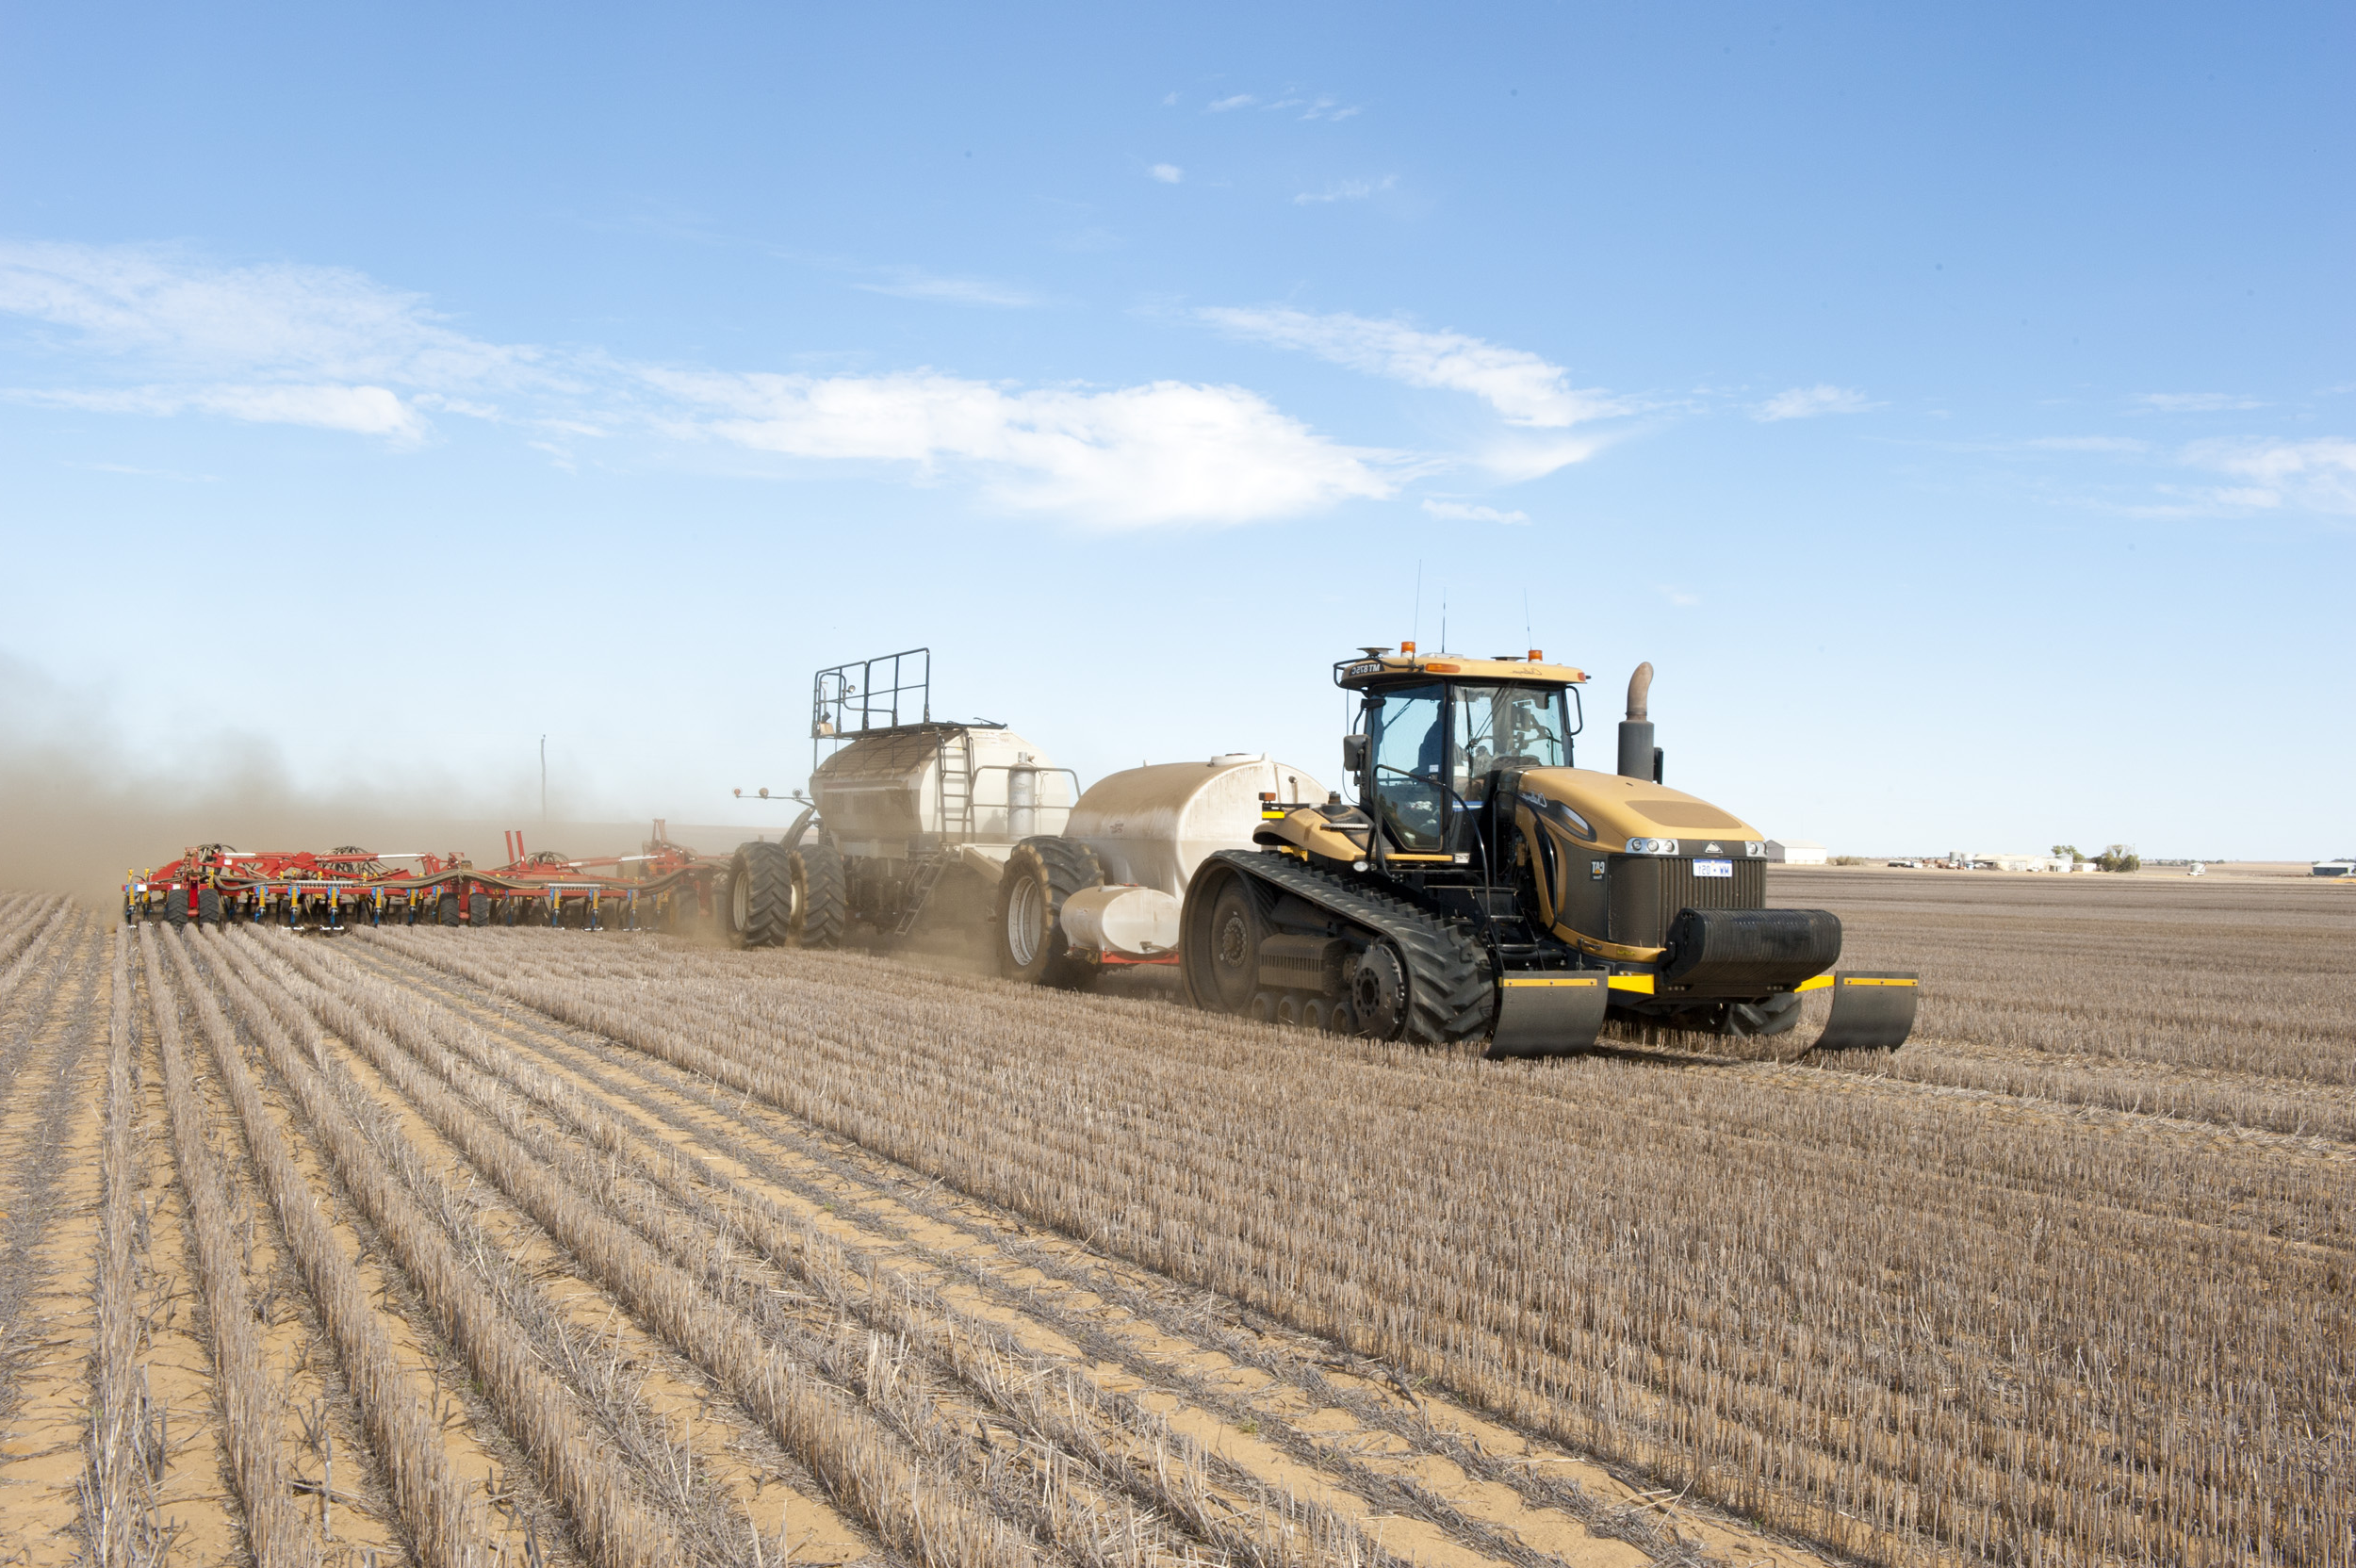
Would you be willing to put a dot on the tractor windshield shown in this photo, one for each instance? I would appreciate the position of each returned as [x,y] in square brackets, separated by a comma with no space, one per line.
[1508,727]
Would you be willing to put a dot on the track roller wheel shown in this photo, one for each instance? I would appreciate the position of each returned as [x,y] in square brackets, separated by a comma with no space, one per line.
[822,900]
[1778,1015]
[1039,875]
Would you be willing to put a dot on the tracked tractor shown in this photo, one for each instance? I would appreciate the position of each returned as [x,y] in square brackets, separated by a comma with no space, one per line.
[1482,886]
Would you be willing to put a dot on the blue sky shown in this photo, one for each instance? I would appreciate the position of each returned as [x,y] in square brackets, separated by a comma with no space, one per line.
[1959,409]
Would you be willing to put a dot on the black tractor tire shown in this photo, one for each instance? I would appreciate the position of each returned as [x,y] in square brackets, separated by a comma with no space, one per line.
[756,900]
[446,909]
[176,907]
[1040,874]
[208,906]
[822,896]
[477,909]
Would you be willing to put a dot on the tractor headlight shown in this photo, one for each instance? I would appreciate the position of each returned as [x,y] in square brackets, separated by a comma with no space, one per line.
[1652,846]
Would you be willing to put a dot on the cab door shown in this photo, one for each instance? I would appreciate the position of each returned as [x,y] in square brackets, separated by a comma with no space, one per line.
[1407,755]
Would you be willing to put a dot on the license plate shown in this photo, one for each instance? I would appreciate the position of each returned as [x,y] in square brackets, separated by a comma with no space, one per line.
[1713,868]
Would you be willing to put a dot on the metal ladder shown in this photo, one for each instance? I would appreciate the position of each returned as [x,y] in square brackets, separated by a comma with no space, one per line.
[957,789]
[921,893]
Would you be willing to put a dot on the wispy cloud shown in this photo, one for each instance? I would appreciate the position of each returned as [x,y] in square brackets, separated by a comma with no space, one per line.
[2194,402]
[2318,474]
[1316,108]
[276,344]
[909,283]
[1347,190]
[1806,402]
[1229,104]
[1129,457]
[1679,596]
[357,410]
[2122,444]
[1523,389]
[1459,511]
[1168,173]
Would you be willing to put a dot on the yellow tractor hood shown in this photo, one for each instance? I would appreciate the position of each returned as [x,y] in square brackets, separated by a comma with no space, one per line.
[1609,810]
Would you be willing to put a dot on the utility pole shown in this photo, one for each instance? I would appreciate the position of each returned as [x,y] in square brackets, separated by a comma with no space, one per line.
[543,780]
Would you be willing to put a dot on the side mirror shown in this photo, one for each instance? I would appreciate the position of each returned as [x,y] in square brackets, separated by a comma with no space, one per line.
[1354,755]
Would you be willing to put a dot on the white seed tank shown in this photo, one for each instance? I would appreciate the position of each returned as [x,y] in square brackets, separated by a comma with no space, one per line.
[950,784]
[1152,826]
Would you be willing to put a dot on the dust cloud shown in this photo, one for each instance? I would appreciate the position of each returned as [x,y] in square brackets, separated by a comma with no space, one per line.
[79,807]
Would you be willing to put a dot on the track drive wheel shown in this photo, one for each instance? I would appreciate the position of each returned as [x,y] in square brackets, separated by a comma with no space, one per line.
[1377,993]
[757,901]
[822,900]
[1039,875]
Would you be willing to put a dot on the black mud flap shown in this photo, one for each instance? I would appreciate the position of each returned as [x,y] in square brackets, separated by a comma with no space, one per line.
[1872,1010]
[1548,1015]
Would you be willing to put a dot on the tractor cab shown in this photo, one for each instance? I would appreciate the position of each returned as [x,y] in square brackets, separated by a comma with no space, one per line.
[1433,733]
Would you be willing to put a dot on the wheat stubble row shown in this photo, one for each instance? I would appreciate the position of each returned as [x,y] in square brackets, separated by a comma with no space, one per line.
[1897,1321]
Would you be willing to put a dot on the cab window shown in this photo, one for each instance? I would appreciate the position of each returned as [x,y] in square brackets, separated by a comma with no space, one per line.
[1508,727]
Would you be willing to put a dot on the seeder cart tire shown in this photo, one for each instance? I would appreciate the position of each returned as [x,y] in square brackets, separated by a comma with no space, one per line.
[822,903]
[1039,875]
[757,905]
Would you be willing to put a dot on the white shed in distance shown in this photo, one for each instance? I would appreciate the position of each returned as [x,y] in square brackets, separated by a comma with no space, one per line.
[1796,851]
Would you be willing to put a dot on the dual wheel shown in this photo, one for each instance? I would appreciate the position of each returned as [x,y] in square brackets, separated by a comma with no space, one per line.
[780,897]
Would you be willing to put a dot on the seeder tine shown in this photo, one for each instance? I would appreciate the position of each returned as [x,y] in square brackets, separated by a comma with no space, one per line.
[1872,1010]
[1549,1015]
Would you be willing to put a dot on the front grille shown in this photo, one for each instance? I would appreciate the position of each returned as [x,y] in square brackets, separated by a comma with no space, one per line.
[1648,891]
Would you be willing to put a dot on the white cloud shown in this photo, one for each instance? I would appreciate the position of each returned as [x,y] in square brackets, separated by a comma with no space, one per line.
[1806,402]
[154,332]
[1131,457]
[909,283]
[2194,402]
[359,410]
[319,323]
[275,344]
[1221,105]
[2319,475]
[1521,387]
[1169,100]
[1168,173]
[1347,190]
[1458,512]
[1678,596]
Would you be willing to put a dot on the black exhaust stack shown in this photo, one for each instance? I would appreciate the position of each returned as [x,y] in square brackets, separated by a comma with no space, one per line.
[1639,757]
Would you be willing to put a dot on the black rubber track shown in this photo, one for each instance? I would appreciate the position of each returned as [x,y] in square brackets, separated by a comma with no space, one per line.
[825,909]
[1066,867]
[1449,996]
[768,895]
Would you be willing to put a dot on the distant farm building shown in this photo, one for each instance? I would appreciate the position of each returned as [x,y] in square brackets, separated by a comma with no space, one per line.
[2322,868]
[1796,851]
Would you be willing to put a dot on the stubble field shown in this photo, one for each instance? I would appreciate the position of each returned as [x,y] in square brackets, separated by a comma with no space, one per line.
[556,1248]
